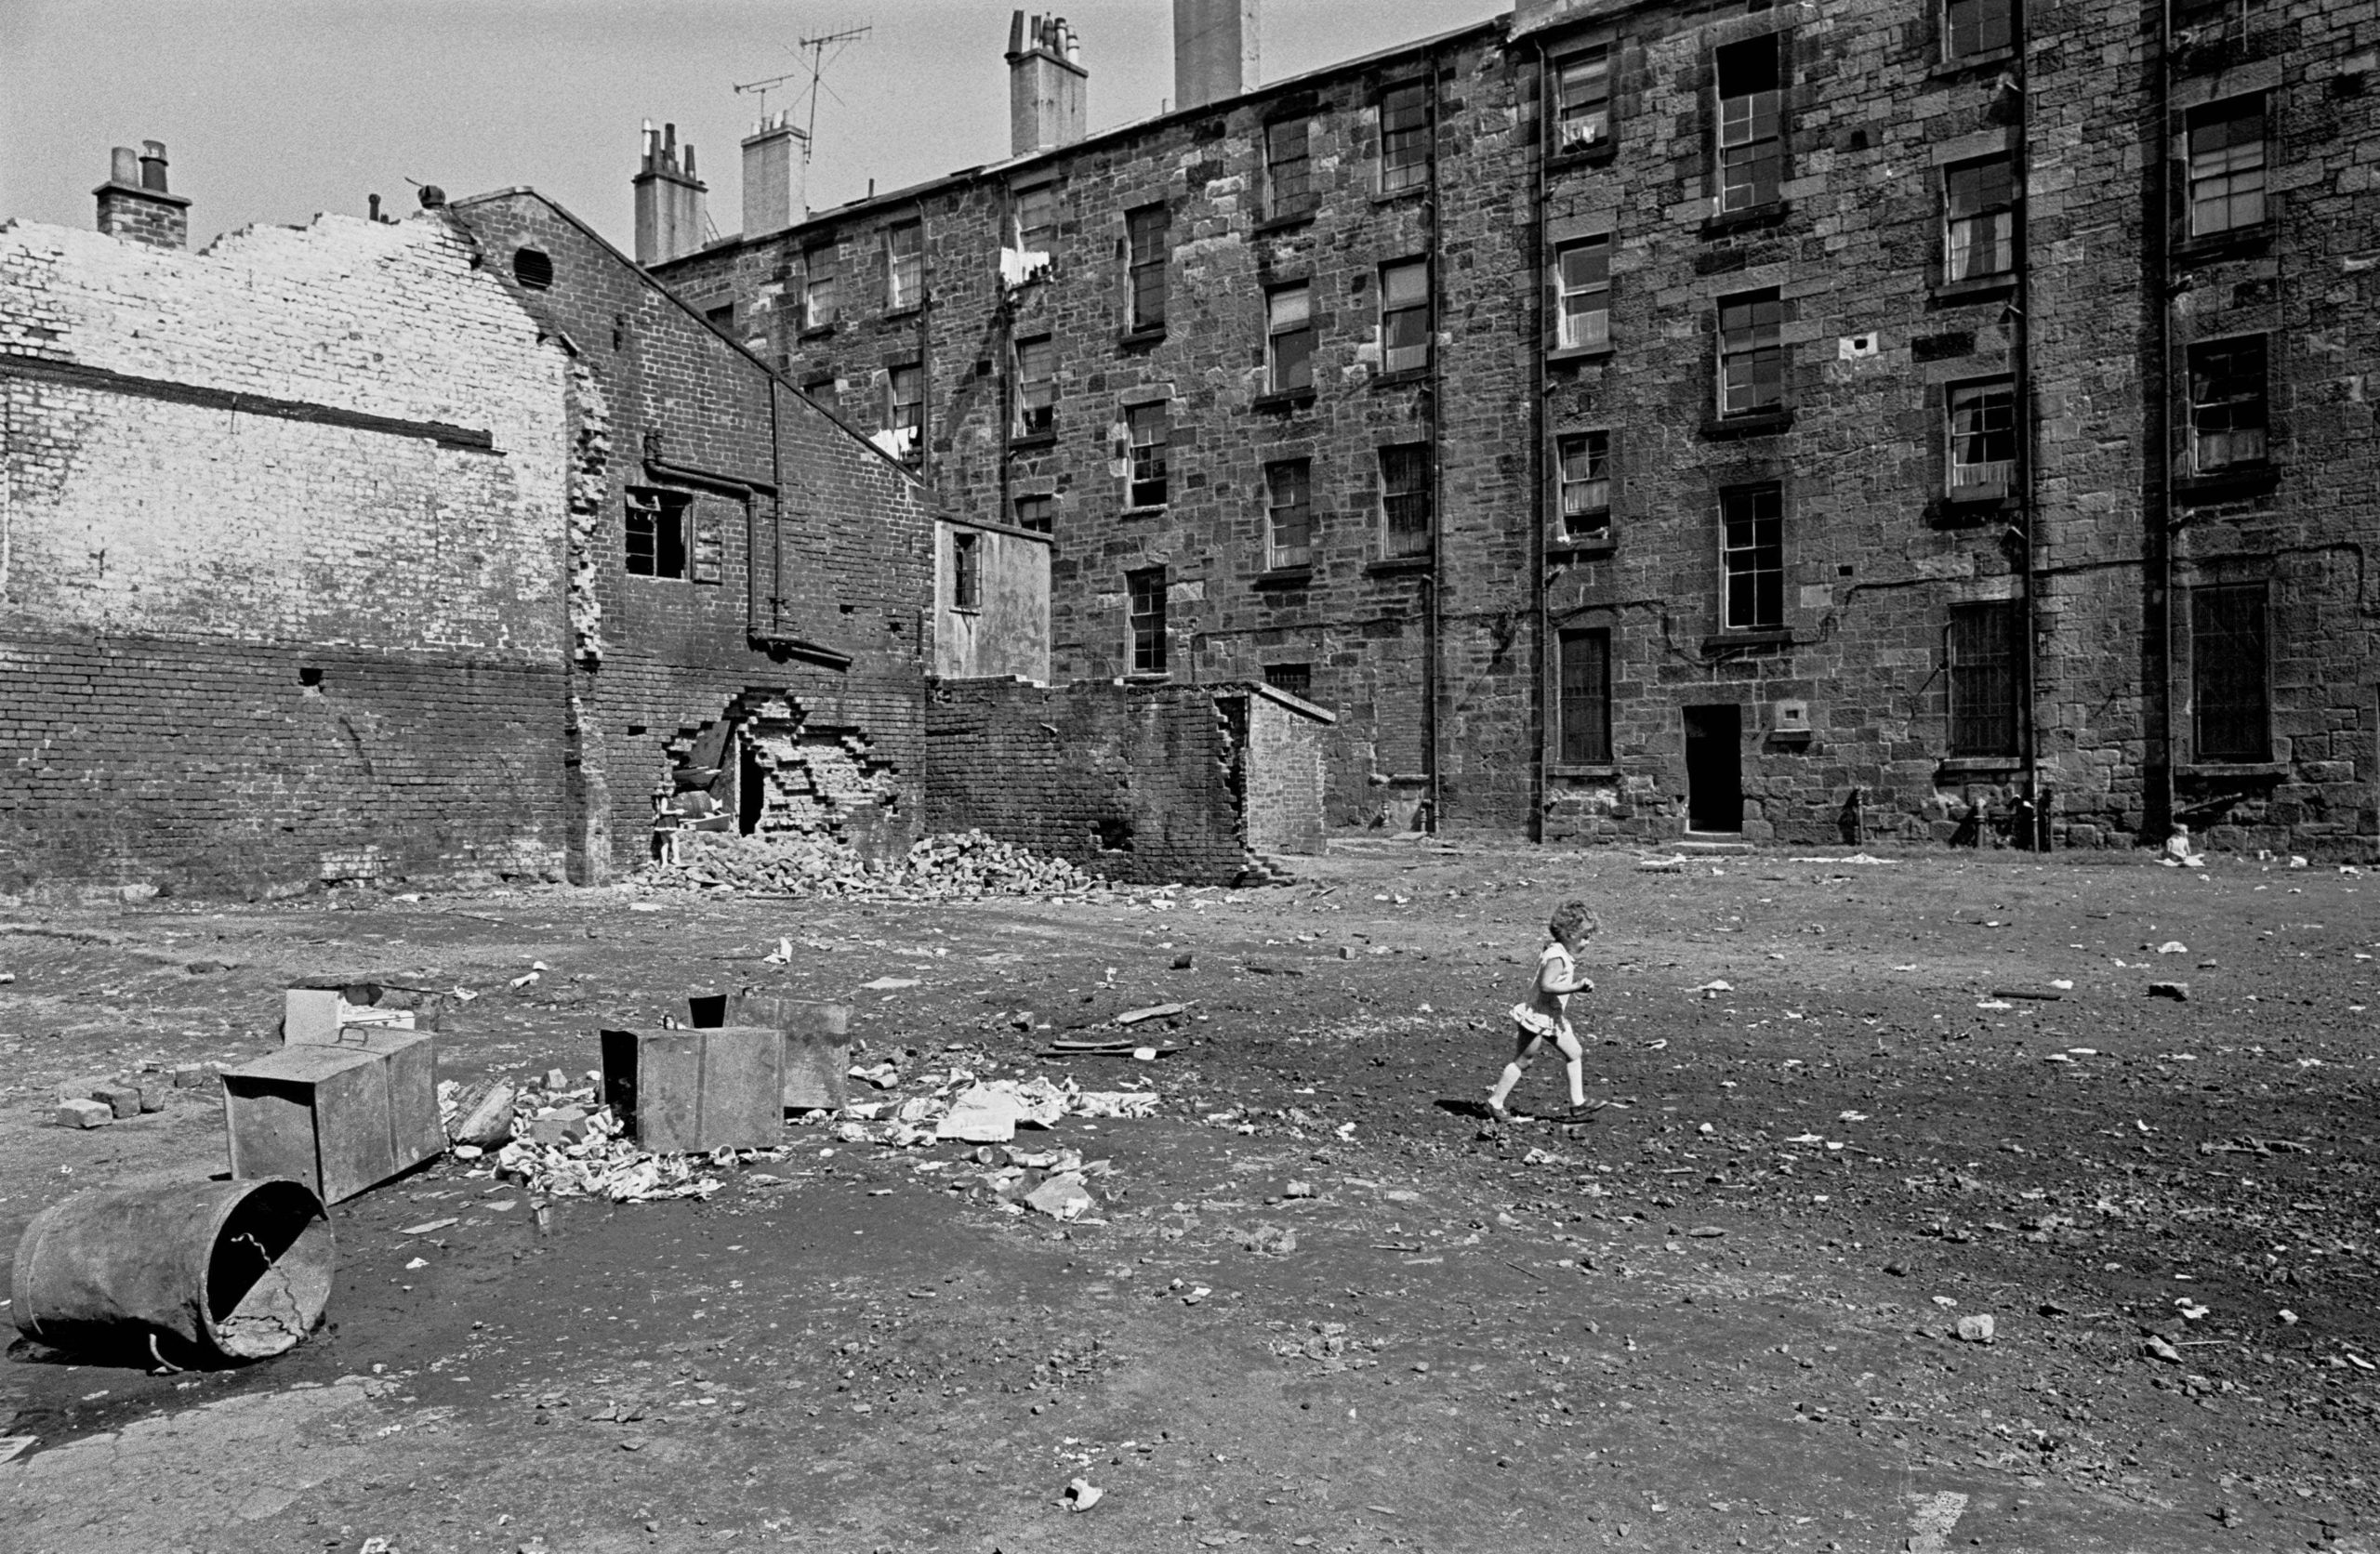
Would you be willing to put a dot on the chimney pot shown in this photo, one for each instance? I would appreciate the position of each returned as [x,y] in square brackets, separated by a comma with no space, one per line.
[1047,85]
[152,165]
[373,203]
[134,203]
[432,197]
[123,166]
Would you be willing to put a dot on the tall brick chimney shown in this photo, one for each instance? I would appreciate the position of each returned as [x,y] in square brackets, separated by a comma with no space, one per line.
[1049,87]
[772,173]
[133,202]
[1215,50]
[670,212]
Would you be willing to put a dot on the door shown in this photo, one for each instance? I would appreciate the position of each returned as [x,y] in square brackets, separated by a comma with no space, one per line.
[1714,779]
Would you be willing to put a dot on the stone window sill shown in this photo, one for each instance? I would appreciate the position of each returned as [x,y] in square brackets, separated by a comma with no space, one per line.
[2244,243]
[1558,769]
[1972,64]
[1758,218]
[1394,196]
[2236,485]
[966,609]
[1032,441]
[1978,766]
[1287,221]
[1283,578]
[818,331]
[1146,509]
[1565,356]
[1401,379]
[1289,400]
[1748,641]
[1768,422]
[1970,293]
[1397,566]
[2218,771]
[1969,511]
[1596,153]
[1139,339]
[1580,548]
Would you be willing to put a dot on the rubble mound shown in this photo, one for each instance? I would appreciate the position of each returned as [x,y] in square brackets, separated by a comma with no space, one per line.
[964,863]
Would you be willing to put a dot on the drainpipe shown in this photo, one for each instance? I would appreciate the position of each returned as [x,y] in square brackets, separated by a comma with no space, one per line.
[2157,794]
[1540,586]
[925,357]
[1437,459]
[2029,494]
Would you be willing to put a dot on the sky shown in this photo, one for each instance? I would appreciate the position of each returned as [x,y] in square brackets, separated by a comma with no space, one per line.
[273,110]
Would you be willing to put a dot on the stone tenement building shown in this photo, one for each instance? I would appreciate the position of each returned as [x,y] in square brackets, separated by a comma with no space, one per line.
[1636,418]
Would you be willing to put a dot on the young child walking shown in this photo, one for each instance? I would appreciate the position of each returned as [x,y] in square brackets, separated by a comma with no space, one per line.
[1545,1015]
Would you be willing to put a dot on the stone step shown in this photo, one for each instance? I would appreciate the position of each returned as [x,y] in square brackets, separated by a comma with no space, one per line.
[1710,845]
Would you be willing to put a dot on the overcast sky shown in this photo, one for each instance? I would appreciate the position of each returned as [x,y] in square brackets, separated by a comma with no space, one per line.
[272,110]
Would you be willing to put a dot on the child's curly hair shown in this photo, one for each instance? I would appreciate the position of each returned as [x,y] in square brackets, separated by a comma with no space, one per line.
[1574,920]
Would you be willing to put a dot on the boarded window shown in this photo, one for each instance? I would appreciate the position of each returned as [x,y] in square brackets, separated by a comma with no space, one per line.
[1982,438]
[1149,434]
[1148,248]
[817,288]
[1404,138]
[1751,124]
[1972,27]
[2226,166]
[1751,555]
[1035,513]
[1751,353]
[1582,280]
[1289,337]
[1295,678]
[1584,461]
[1289,188]
[905,266]
[706,546]
[966,570]
[1978,219]
[1145,591]
[1405,500]
[2230,702]
[1582,99]
[1036,387]
[1405,316]
[656,532]
[2228,404]
[1288,514]
[1984,673]
[1583,707]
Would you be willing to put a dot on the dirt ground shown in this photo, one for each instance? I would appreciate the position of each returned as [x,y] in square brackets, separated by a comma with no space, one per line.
[1723,1316]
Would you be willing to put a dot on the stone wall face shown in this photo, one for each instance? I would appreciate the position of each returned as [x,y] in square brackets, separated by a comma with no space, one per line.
[281,546]
[800,613]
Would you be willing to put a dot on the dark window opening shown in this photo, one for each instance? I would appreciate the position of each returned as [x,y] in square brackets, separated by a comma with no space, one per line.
[1035,513]
[1751,124]
[1584,462]
[1289,337]
[905,266]
[1978,219]
[1145,589]
[1982,433]
[966,571]
[1404,138]
[1751,554]
[1149,434]
[1288,514]
[1583,707]
[310,676]
[533,268]
[721,318]
[1582,99]
[1113,835]
[656,533]
[1751,353]
[1295,678]
[817,288]
[1036,387]
[1148,248]
[1972,27]
[1287,181]
[2226,166]
[1983,679]
[1405,316]
[1405,500]
[2231,702]
[2230,410]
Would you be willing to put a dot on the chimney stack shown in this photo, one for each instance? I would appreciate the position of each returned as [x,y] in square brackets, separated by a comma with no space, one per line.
[1049,87]
[133,202]
[669,214]
[1215,50]
[772,172]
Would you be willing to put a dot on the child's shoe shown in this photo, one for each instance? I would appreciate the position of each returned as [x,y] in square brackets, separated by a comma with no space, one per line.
[1501,1114]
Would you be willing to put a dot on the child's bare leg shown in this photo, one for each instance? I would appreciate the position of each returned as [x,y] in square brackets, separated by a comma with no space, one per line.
[1524,1045]
[1574,1057]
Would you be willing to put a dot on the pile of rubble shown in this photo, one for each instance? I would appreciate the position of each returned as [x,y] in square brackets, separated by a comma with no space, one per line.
[965,864]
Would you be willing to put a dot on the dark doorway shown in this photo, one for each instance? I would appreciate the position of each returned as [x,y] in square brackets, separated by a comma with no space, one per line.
[751,788]
[1714,778]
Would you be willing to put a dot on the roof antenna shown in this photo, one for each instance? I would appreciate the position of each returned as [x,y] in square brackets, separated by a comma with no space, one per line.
[819,63]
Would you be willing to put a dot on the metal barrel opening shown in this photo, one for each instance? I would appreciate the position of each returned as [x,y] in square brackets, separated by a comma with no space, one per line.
[268,1278]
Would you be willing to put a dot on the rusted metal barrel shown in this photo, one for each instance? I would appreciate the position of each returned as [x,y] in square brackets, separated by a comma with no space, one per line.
[225,1270]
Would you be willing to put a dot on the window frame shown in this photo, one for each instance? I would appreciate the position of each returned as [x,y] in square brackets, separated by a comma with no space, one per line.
[1406,476]
[666,518]
[2247,413]
[2222,167]
[1401,170]
[1982,676]
[1298,475]
[1597,285]
[1024,198]
[1747,165]
[905,296]
[1594,108]
[1403,315]
[966,570]
[1754,344]
[2223,659]
[1594,444]
[1975,393]
[819,309]
[1285,200]
[1147,251]
[1948,21]
[1145,629]
[1042,522]
[1288,347]
[911,448]
[1301,674]
[1037,398]
[1743,577]
[1146,474]
[1582,701]
[1999,221]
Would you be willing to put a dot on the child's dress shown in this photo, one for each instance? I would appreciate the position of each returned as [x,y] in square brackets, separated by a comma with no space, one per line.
[1542,1013]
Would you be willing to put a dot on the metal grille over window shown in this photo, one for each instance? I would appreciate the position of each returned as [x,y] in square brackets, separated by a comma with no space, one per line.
[655,534]
[1145,238]
[1583,706]
[2230,699]
[1751,552]
[1983,674]
[1751,124]
[1295,678]
[1288,338]
[1979,221]
[1036,387]
[2229,409]
[1147,424]
[1146,590]
[1582,99]
[1583,278]
[817,288]
[1404,138]
[1288,189]
[1405,500]
[966,571]
[1982,438]
[1288,514]
[1405,316]
[1751,353]
[2226,166]
[1585,460]
[906,391]
[1972,27]
[904,250]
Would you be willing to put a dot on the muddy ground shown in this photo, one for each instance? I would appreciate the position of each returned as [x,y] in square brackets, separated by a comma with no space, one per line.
[1722,1316]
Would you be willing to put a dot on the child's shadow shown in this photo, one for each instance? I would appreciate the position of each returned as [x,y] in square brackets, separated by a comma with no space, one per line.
[1467,1107]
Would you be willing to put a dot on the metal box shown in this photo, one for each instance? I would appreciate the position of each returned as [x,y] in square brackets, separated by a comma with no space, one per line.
[691,1091]
[338,1119]
[817,1040]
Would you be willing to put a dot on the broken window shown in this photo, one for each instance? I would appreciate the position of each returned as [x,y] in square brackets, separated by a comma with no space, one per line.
[1584,462]
[1973,27]
[1582,99]
[1148,248]
[1289,337]
[966,570]
[1147,424]
[1978,219]
[1295,678]
[2230,699]
[906,409]
[905,266]
[1288,514]
[1404,138]
[1582,708]
[2229,409]
[1982,433]
[1036,387]
[707,546]
[1751,353]
[1582,280]
[1288,184]
[721,318]
[1037,218]
[656,533]
[1147,591]
[2226,166]
[1405,316]
[1983,679]
[818,288]
[1751,556]
[1035,513]
[1405,500]
[1751,124]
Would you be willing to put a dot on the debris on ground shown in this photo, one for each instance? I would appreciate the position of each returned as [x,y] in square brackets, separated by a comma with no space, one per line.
[2179,992]
[1082,1495]
[1975,1329]
[961,865]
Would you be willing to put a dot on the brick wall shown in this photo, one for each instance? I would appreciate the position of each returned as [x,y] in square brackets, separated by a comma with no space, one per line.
[1282,778]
